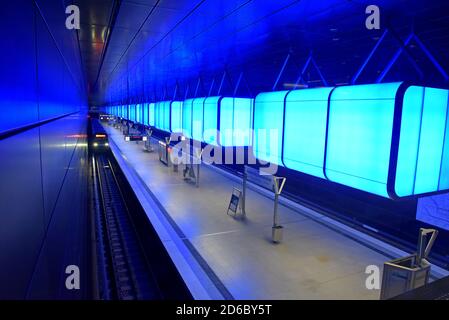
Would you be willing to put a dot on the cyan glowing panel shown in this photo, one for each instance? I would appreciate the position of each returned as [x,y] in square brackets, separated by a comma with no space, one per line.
[166,121]
[157,115]
[431,142]
[268,126]
[162,118]
[236,121]
[187,118]
[132,112]
[409,139]
[210,133]
[176,117]
[359,138]
[139,113]
[197,118]
[226,122]
[145,114]
[421,166]
[305,130]
[243,118]
[152,114]
[444,175]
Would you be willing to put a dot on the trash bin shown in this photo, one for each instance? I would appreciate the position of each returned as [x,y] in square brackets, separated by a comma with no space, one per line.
[411,272]
[277,234]
[403,274]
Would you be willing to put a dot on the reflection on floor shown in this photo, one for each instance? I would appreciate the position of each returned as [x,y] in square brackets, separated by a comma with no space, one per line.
[312,262]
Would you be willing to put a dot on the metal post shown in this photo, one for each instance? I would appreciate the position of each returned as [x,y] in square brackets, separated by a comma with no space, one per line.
[275,216]
[304,69]
[319,72]
[357,75]
[281,72]
[431,58]
[393,60]
[211,87]
[221,82]
[238,84]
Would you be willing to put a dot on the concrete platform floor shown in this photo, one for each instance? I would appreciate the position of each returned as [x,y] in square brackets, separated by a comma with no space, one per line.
[313,262]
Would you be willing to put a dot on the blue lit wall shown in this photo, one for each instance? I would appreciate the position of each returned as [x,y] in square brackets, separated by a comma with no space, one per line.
[43,169]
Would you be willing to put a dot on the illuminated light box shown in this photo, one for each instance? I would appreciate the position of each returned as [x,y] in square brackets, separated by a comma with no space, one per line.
[305,130]
[422,165]
[162,115]
[139,113]
[269,126]
[132,112]
[187,118]
[145,114]
[223,121]
[210,134]
[176,117]
[236,116]
[197,118]
[359,136]
[152,114]
[388,139]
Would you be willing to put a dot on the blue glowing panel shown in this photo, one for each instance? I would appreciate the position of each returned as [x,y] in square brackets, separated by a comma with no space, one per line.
[139,113]
[421,166]
[145,114]
[187,118]
[226,122]
[409,138]
[132,112]
[211,120]
[151,114]
[157,115]
[243,118]
[305,130]
[176,117]
[359,138]
[268,126]
[444,175]
[433,125]
[166,116]
[236,122]
[197,118]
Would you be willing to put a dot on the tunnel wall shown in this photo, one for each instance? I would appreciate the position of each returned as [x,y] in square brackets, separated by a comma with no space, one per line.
[43,153]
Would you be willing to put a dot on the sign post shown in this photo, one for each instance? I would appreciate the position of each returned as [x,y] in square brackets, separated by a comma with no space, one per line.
[277,230]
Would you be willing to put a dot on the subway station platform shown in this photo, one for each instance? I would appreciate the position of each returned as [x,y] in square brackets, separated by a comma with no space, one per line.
[220,257]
